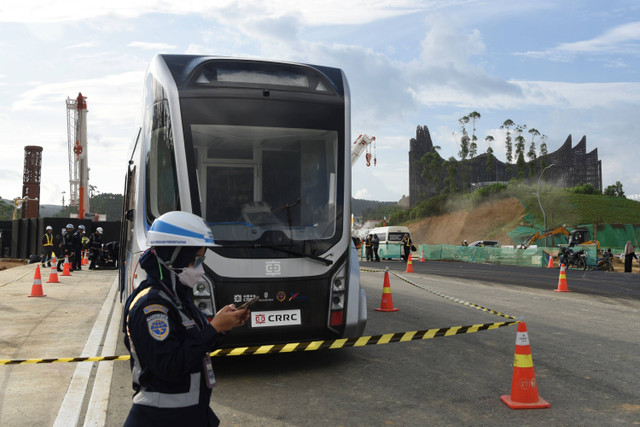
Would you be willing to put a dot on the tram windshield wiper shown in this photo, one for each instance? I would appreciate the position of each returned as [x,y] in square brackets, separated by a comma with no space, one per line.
[300,254]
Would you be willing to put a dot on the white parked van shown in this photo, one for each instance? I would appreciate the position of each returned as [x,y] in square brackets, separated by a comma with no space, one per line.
[390,240]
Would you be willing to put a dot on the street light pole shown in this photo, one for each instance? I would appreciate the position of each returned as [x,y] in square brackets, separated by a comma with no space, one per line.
[544,215]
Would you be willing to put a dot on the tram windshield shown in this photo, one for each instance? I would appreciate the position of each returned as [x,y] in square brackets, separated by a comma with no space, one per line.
[254,180]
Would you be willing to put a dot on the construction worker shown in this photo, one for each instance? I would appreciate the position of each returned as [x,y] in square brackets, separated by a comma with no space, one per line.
[47,244]
[95,245]
[66,245]
[375,243]
[77,248]
[168,337]
[368,247]
[406,245]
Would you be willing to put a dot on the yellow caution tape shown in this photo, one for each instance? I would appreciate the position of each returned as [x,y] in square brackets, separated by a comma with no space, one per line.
[16,279]
[326,344]
[440,294]
[300,346]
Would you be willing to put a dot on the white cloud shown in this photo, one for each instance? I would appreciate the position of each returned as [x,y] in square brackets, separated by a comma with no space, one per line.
[81,45]
[362,193]
[622,39]
[313,12]
[152,46]
[439,67]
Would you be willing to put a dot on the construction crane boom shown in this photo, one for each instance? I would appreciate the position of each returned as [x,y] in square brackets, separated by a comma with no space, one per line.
[78,161]
[363,144]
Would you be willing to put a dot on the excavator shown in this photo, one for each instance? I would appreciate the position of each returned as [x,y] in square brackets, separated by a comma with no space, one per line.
[579,236]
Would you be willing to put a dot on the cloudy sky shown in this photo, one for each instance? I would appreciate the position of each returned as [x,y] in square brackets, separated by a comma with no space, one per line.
[558,66]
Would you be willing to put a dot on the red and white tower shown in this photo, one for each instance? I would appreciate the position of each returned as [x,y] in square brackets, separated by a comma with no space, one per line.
[78,156]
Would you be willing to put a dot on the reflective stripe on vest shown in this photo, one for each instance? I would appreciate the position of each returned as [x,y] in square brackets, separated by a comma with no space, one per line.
[170,400]
[49,238]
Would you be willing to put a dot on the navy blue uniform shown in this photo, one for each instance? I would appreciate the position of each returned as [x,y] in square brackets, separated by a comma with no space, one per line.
[168,347]
[67,249]
[76,242]
[95,244]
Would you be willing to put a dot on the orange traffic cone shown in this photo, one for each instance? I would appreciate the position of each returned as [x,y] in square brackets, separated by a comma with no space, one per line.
[53,276]
[421,255]
[524,389]
[409,264]
[387,300]
[36,289]
[85,259]
[550,265]
[562,281]
[66,269]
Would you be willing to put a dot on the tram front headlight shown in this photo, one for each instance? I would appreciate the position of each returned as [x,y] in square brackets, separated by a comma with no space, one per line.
[203,296]
[201,289]
[338,281]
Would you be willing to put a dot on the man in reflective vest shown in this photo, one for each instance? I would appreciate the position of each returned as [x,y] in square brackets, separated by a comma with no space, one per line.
[47,244]
[168,337]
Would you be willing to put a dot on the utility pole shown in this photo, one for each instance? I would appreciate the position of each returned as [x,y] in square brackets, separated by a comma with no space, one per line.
[544,215]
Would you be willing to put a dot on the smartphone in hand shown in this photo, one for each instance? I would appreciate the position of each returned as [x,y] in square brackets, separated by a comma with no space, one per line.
[248,303]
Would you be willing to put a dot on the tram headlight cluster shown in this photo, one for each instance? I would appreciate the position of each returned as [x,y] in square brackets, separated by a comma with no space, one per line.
[202,296]
[337,297]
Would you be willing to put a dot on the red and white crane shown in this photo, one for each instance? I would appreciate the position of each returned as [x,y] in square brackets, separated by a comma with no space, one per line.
[78,160]
[362,144]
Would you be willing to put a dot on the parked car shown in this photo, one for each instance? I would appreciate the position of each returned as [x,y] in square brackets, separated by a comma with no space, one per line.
[485,243]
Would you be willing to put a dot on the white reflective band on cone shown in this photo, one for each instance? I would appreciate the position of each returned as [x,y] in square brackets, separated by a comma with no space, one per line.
[522,338]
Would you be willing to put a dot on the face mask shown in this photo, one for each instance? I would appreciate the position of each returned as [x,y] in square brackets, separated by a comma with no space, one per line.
[189,276]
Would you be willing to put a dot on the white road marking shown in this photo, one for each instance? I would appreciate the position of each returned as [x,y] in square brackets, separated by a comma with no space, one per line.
[97,410]
[69,412]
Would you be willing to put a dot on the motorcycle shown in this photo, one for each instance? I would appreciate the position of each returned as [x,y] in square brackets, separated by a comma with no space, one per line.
[569,258]
[606,262]
[107,257]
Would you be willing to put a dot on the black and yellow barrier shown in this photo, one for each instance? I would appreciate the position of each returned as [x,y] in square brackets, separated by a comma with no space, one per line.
[324,344]
[300,346]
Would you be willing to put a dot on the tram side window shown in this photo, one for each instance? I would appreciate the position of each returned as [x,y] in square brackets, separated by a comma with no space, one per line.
[161,176]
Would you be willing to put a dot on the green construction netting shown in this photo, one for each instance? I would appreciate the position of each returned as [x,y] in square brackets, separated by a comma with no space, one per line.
[536,257]
[615,236]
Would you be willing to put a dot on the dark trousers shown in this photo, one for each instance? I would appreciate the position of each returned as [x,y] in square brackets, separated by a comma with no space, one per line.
[94,254]
[47,255]
[628,262]
[77,259]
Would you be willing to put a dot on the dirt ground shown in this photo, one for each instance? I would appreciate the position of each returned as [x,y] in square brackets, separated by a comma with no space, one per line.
[489,221]
[11,262]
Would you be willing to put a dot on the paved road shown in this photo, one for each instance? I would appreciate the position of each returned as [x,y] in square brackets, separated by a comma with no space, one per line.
[71,320]
[585,345]
[603,283]
[585,349]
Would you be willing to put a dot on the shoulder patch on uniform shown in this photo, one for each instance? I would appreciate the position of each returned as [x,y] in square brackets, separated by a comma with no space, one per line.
[155,307]
[158,325]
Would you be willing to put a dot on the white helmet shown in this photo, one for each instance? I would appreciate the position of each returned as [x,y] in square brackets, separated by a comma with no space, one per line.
[49,228]
[99,230]
[180,229]
[81,227]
